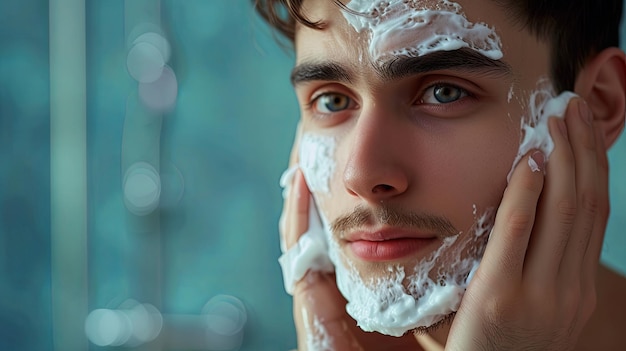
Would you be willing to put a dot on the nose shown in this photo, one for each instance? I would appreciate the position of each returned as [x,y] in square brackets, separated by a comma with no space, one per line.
[376,168]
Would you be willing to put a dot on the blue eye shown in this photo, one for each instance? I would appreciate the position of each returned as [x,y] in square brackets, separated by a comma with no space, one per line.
[443,94]
[331,102]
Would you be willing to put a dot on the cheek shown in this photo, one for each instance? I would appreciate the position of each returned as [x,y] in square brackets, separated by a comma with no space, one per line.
[472,166]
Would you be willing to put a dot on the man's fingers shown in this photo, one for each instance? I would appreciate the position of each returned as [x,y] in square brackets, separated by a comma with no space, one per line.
[295,150]
[299,221]
[556,211]
[287,182]
[592,255]
[583,141]
[506,249]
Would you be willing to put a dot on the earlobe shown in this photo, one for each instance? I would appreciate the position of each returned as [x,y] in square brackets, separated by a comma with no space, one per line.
[602,83]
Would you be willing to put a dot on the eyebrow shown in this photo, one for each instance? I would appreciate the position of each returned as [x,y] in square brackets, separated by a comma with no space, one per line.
[312,71]
[465,60]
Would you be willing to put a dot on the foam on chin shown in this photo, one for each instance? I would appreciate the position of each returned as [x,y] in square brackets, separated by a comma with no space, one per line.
[421,297]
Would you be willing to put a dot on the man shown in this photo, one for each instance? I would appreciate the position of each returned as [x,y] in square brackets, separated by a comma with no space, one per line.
[412,116]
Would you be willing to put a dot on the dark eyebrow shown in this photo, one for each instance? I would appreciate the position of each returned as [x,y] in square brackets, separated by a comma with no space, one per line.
[466,60]
[312,71]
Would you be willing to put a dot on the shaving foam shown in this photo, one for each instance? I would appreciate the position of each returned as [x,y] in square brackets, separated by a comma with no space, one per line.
[317,161]
[543,104]
[408,28]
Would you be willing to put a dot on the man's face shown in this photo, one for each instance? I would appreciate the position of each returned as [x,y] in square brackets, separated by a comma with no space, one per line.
[415,146]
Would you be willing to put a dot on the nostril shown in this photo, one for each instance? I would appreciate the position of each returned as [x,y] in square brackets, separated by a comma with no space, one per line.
[382,188]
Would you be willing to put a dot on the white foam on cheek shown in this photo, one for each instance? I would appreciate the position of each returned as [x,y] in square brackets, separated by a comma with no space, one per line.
[510,94]
[401,27]
[317,161]
[542,105]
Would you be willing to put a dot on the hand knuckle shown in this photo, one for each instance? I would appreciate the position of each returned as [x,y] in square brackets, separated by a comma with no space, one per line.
[520,221]
[567,211]
[590,203]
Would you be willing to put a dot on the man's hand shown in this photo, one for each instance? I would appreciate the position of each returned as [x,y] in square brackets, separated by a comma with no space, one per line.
[535,287]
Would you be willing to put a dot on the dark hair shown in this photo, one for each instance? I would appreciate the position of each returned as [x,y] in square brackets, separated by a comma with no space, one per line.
[575,29]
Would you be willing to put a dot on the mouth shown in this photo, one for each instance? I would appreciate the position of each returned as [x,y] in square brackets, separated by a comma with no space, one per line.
[389,244]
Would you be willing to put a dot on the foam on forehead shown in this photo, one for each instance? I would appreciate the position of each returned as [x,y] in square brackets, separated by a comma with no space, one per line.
[416,28]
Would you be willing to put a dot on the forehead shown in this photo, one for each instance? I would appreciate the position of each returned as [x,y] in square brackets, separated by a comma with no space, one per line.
[406,27]
[373,31]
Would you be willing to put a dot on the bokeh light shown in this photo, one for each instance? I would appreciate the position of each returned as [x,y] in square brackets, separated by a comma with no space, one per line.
[158,41]
[131,325]
[142,188]
[105,327]
[160,95]
[145,62]
[226,314]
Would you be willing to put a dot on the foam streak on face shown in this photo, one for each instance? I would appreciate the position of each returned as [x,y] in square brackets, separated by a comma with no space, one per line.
[543,104]
[317,161]
[410,28]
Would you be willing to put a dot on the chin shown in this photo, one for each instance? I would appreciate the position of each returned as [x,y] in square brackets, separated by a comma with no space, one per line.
[416,294]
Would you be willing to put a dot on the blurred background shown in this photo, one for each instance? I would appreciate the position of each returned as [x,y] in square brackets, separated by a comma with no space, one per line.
[141,143]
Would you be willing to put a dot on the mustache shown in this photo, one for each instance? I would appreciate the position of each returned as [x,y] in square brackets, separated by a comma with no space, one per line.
[395,217]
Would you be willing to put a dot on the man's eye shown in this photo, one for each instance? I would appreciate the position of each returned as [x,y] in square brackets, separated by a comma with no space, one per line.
[443,94]
[331,102]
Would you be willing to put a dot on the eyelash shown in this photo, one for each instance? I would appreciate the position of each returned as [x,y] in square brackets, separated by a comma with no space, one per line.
[465,93]
[316,99]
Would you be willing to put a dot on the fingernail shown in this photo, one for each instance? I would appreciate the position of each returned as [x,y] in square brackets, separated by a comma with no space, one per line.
[536,161]
[585,113]
[563,128]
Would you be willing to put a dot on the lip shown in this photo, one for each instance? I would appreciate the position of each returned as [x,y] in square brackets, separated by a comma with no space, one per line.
[388,244]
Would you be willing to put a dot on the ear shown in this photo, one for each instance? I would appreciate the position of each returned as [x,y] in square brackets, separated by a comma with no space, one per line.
[602,83]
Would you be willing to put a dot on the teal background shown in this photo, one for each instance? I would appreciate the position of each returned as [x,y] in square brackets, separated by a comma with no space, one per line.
[228,138]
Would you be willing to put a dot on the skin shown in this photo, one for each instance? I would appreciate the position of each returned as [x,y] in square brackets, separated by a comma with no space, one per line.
[396,147]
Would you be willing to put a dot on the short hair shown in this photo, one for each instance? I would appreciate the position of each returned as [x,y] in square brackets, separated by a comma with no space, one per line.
[575,29]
